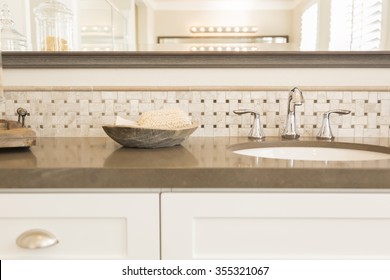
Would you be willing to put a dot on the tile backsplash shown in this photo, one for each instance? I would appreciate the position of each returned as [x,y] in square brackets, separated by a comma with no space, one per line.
[82,113]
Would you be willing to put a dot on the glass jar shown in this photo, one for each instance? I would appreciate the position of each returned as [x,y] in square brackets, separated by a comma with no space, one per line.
[54,26]
[11,40]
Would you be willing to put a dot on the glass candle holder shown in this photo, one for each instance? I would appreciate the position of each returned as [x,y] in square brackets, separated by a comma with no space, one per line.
[54,26]
[11,40]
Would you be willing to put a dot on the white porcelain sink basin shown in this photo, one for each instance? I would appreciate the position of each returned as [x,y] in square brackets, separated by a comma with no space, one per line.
[314,153]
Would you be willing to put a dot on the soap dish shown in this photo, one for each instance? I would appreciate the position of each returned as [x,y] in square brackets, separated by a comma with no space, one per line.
[143,137]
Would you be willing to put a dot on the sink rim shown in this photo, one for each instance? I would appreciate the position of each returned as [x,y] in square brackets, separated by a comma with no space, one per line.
[308,144]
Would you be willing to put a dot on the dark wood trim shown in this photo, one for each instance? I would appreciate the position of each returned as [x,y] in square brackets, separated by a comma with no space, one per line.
[28,60]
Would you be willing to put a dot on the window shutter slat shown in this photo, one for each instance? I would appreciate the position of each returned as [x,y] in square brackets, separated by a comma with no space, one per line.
[355,24]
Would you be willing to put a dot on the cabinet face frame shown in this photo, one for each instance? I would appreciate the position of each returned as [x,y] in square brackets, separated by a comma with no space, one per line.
[201,225]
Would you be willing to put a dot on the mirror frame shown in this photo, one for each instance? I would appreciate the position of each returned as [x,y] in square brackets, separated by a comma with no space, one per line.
[167,59]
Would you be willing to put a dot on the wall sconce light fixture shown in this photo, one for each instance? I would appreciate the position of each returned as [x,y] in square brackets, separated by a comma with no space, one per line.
[103,28]
[224,48]
[224,29]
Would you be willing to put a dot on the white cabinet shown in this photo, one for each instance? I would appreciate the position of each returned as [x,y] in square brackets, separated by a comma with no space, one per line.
[88,226]
[275,225]
[199,225]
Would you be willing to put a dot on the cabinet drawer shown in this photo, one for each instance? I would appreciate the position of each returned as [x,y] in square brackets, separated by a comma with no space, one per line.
[87,226]
[78,237]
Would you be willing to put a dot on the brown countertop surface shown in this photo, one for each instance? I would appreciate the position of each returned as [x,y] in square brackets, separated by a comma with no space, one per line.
[200,162]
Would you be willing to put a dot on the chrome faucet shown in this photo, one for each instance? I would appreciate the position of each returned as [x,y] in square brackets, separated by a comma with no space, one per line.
[256,131]
[295,98]
[325,131]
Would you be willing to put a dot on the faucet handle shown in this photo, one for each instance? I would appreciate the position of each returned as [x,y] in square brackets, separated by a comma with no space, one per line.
[326,131]
[256,131]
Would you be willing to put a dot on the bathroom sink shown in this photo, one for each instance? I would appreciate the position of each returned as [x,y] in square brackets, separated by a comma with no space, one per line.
[314,151]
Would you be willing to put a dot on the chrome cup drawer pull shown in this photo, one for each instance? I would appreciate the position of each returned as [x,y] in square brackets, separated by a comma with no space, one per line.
[36,239]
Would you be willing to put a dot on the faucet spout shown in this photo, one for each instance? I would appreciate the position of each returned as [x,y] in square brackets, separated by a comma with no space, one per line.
[295,98]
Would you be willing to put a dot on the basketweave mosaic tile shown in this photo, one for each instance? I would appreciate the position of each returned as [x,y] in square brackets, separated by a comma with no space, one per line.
[82,113]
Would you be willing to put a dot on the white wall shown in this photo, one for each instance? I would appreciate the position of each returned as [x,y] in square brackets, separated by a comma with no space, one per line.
[338,77]
[130,15]
[324,14]
[145,25]
[297,15]
[386,25]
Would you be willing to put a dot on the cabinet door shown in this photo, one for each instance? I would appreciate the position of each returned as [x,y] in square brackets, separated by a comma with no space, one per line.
[87,226]
[275,226]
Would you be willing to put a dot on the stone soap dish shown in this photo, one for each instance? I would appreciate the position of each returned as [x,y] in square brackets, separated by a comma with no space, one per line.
[143,137]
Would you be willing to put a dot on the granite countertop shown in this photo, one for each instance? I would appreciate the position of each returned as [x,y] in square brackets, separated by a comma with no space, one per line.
[200,162]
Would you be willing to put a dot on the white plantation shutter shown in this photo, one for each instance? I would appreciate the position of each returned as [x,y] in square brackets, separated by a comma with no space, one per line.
[355,24]
[309,23]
